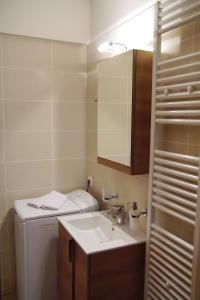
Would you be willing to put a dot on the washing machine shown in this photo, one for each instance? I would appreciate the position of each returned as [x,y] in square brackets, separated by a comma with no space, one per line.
[36,235]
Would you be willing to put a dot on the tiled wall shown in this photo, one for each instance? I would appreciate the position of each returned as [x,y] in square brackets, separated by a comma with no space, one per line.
[43,88]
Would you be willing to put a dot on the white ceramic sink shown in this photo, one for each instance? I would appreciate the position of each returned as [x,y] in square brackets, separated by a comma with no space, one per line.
[94,232]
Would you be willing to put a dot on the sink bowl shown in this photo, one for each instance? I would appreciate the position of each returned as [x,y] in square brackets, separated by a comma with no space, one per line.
[94,232]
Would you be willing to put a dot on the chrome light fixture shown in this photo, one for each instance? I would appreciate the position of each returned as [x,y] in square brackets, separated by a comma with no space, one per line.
[111,47]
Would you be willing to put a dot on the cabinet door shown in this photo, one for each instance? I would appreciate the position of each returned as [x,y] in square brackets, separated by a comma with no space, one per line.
[81,277]
[65,265]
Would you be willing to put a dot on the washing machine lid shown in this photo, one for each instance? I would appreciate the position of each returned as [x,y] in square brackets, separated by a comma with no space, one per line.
[76,202]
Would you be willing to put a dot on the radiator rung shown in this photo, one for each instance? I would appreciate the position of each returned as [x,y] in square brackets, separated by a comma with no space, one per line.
[166,278]
[178,104]
[163,284]
[179,77]
[180,58]
[175,164]
[179,95]
[178,13]
[184,260]
[176,190]
[176,272]
[178,121]
[176,207]
[158,291]
[179,23]
[178,113]
[162,255]
[173,237]
[178,68]
[176,181]
[173,197]
[179,174]
[157,266]
[173,213]
[178,85]
[178,156]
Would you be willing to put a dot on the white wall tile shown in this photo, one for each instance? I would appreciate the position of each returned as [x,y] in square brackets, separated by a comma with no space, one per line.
[21,52]
[27,84]
[69,57]
[27,116]
[69,87]
[69,172]
[28,145]
[28,175]
[70,144]
[69,116]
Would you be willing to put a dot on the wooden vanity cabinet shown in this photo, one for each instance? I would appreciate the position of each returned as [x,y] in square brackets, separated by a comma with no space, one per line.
[113,274]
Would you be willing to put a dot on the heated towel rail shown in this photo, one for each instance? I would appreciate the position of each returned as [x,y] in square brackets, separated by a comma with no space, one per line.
[172,262]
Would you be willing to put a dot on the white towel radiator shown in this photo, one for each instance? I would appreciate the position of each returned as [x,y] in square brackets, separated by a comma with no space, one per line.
[171,262]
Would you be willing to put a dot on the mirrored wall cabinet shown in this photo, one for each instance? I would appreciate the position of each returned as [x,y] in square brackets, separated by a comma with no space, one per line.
[124,111]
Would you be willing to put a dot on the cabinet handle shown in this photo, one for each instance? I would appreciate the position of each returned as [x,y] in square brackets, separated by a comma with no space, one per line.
[70,251]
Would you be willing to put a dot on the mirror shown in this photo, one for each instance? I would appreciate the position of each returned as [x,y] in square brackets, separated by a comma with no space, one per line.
[124,85]
[114,108]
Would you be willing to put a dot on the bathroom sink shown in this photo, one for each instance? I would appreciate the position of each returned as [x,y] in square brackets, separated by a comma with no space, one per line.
[94,232]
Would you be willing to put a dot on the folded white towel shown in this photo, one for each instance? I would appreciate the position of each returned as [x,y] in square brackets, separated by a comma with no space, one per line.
[36,202]
[54,201]
[51,201]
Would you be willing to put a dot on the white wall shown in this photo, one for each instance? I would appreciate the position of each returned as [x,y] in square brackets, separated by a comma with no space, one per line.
[108,14]
[65,20]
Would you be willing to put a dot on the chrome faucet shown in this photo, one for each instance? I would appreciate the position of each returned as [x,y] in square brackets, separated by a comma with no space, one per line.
[117,213]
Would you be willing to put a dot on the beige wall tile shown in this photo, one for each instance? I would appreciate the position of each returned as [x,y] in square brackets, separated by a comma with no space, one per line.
[173,146]
[69,87]
[194,135]
[69,172]
[70,57]
[193,150]
[1,147]
[1,115]
[23,52]
[92,145]
[70,144]
[92,116]
[197,27]
[69,116]
[92,86]
[28,145]
[196,42]
[33,175]
[0,50]
[1,89]
[2,207]
[27,116]
[4,236]
[175,133]
[27,84]
[2,177]
[176,48]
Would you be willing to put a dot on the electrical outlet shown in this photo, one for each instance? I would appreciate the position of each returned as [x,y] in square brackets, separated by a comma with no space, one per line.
[90,180]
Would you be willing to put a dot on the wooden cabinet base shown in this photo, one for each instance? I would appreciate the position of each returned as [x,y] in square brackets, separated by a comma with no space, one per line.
[115,274]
